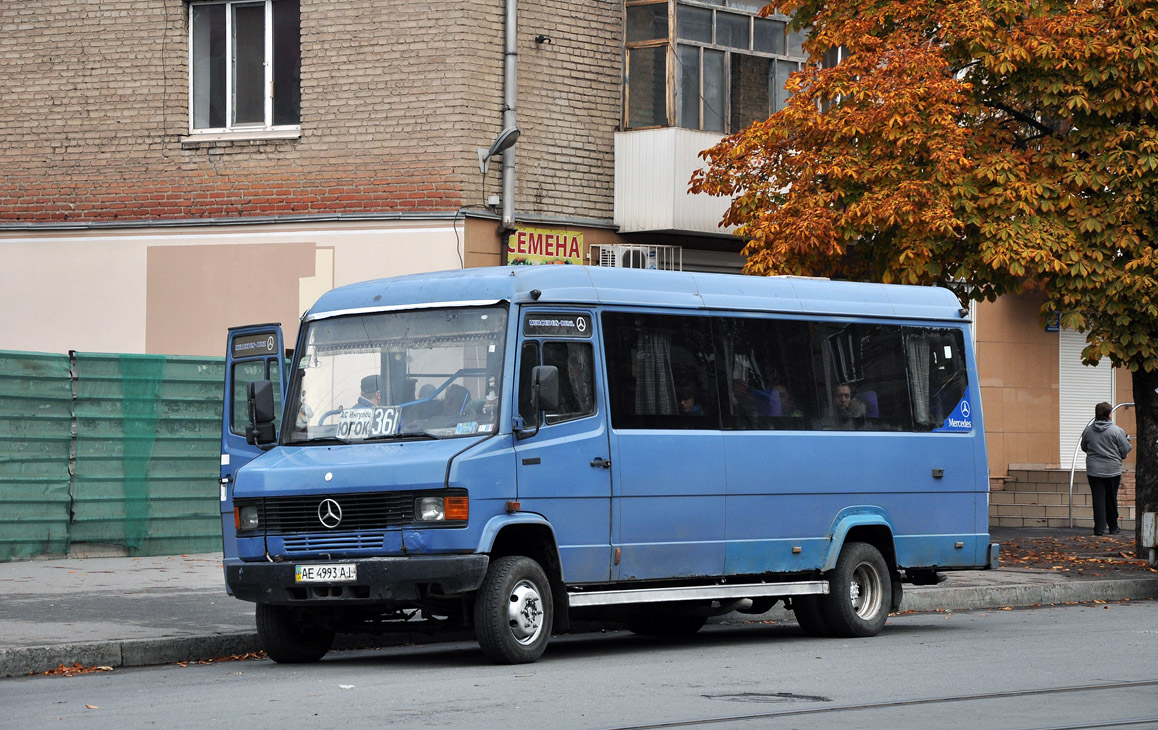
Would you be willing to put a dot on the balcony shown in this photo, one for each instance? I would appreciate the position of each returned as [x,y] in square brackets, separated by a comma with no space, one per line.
[652,170]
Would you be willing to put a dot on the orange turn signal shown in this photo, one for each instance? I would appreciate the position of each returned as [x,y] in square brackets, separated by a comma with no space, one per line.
[457,508]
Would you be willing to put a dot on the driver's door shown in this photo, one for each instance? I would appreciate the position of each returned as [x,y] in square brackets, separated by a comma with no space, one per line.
[253,352]
[564,468]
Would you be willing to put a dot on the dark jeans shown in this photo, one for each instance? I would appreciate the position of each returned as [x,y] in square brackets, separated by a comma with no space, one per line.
[1105,493]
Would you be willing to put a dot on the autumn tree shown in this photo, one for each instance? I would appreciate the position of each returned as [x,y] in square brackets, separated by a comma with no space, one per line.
[983,145]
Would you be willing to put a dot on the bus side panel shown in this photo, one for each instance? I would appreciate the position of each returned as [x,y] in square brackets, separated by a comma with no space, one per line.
[669,487]
[786,488]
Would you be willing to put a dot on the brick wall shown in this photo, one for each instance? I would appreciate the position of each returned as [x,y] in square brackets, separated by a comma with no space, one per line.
[569,107]
[395,99]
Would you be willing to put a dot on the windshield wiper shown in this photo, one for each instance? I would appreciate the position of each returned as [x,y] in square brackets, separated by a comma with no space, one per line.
[329,440]
[408,436]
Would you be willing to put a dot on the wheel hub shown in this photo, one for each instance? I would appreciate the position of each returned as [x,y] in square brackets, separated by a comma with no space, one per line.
[865,591]
[525,612]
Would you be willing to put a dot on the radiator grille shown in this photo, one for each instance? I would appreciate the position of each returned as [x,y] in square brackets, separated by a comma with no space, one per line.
[359,512]
[333,542]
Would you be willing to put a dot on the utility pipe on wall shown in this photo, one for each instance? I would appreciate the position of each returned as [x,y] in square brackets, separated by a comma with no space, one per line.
[510,95]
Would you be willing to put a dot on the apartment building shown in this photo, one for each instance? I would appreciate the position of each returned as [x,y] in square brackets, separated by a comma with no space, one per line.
[169,168]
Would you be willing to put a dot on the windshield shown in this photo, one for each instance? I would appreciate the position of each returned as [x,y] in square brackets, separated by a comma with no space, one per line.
[431,373]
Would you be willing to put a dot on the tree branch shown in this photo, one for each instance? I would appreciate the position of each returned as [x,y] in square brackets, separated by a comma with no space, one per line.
[1024,118]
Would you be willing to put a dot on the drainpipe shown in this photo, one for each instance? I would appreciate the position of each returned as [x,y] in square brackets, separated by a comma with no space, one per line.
[510,88]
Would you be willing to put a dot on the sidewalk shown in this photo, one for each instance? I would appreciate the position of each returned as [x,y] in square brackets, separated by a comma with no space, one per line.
[122,612]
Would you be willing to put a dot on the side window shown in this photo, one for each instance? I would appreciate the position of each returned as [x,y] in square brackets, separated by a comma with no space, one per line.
[661,371]
[768,381]
[938,378]
[576,364]
[862,377]
[245,373]
[528,359]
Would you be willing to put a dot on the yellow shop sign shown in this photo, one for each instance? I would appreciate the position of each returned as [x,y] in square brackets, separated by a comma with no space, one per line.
[528,246]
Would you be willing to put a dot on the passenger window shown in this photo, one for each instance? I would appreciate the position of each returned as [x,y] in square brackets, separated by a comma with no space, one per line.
[936,360]
[576,365]
[768,382]
[661,371]
[863,377]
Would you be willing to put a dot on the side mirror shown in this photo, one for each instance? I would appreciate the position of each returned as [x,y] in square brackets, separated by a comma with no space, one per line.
[544,395]
[259,398]
[545,387]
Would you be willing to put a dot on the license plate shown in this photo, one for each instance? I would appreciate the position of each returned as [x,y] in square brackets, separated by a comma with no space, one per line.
[335,573]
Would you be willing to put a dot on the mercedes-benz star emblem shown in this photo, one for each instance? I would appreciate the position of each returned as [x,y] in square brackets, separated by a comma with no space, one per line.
[329,513]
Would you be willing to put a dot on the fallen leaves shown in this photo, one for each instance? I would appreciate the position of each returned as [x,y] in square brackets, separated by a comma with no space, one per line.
[70,670]
[228,658]
[1083,555]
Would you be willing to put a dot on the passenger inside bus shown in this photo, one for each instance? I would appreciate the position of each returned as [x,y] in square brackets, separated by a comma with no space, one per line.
[847,412]
[688,402]
[455,400]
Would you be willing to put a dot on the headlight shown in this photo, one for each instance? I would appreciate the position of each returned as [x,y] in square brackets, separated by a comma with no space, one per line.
[246,518]
[430,509]
[441,509]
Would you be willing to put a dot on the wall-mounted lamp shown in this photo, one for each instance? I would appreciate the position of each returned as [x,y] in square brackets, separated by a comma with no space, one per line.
[542,38]
[503,142]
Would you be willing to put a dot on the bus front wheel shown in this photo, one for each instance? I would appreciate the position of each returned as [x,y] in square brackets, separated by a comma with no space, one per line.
[860,592]
[291,636]
[513,613]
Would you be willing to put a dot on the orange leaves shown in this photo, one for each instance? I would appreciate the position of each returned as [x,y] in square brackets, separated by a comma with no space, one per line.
[71,670]
[997,141]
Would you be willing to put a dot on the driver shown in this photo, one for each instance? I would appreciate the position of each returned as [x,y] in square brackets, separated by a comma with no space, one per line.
[370,396]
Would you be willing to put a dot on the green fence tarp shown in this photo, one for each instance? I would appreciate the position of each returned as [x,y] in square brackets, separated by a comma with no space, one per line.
[148,442]
[35,439]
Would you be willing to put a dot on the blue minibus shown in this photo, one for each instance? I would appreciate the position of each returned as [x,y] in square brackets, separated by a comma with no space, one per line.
[508,450]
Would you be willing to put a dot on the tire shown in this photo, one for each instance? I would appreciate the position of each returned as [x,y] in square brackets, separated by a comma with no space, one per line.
[513,612]
[661,622]
[292,636]
[810,615]
[860,592]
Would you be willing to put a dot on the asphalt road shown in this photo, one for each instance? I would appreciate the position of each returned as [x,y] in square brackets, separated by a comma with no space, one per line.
[1057,667]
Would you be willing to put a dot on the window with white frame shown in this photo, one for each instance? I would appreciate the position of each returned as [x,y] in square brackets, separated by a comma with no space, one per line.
[728,65]
[244,65]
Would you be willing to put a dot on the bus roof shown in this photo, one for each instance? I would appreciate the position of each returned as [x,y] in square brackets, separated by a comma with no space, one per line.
[564,284]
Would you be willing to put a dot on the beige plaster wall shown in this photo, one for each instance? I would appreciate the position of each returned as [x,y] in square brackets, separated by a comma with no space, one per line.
[1018,364]
[176,291]
[64,294]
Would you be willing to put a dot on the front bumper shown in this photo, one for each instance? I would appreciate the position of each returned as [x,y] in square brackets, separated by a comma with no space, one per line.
[397,580]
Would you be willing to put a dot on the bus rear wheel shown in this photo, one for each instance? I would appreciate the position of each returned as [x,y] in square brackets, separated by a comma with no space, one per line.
[513,613]
[860,592]
[291,636]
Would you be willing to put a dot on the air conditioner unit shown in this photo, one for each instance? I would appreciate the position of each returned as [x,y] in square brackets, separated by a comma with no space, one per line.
[664,258]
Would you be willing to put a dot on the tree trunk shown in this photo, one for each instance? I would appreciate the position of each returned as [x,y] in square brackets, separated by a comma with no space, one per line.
[1146,447]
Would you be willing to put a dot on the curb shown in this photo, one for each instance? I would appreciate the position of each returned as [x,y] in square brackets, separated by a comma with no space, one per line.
[165,650]
[125,653]
[1028,596]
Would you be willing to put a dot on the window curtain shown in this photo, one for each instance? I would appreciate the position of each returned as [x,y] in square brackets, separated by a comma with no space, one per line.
[917,351]
[654,385]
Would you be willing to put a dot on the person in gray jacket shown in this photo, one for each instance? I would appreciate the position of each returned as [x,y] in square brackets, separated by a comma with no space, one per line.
[1105,445]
